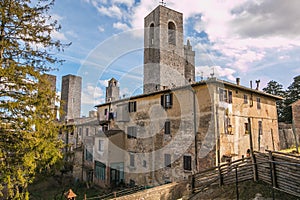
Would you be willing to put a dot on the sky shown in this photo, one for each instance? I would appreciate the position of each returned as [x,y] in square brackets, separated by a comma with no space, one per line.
[249,39]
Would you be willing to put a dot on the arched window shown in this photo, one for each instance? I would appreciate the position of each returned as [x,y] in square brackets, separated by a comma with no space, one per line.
[151,34]
[172,33]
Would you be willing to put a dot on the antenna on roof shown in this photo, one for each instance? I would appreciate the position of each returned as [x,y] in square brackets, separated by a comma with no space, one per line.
[213,73]
[163,3]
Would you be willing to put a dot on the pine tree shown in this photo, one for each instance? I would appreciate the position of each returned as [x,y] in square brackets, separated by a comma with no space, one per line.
[28,134]
[276,88]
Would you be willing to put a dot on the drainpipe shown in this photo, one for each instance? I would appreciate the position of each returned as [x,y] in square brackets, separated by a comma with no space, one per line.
[195,129]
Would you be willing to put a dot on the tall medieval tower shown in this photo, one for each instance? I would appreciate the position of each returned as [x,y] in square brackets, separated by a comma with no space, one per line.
[167,62]
[71,96]
[112,91]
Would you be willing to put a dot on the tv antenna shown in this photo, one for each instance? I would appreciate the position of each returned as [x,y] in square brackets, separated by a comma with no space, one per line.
[163,3]
[213,73]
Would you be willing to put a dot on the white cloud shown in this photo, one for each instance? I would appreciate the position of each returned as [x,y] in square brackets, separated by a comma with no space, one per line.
[72,34]
[101,29]
[104,83]
[112,11]
[128,3]
[92,95]
[217,71]
[121,26]
[58,36]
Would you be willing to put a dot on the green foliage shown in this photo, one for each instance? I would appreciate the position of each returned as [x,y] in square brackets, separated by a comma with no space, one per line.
[28,133]
[291,95]
[275,88]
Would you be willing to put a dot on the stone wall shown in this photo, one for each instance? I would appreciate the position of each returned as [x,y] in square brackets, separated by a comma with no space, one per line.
[286,136]
[165,192]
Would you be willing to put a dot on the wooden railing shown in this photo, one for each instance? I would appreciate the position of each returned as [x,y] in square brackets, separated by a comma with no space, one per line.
[280,170]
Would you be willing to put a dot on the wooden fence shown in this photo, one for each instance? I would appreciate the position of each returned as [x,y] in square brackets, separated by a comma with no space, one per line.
[280,170]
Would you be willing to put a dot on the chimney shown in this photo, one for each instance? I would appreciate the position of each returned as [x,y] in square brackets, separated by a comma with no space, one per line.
[251,84]
[257,84]
[238,81]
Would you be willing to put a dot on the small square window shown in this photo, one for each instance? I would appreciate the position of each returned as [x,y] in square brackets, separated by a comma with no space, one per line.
[245,99]
[258,103]
[187,163]
[132,106]
[131,157]
[246,128]
[167,160]
[230,97]
[167,100]
[167,127]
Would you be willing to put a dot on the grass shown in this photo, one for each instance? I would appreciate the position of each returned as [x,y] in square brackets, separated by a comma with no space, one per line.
[290,150]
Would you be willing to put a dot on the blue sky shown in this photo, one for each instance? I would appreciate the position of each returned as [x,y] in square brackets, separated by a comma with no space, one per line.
[250,39]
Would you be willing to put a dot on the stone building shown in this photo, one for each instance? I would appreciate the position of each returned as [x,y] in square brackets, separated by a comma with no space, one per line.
[71,97]
[174,133]
[179,127]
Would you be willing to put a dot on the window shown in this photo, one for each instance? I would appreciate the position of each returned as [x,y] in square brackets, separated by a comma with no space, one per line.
[187,162]
[132,106]
[258,103]
[246,128]
[167,160]
[167,127]
[87,131]
[100,170]
[151,35]
[105,128]
[245,99]
[260,131]
[171,33]
[79,131]
[227,126]
[88,155]
[167,100]
[105,111]
[131,132]
[131,157]
[223,95]
[101,145]
[229,96]
[144,163]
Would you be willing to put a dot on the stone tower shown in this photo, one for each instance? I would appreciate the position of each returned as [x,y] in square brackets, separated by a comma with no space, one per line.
[167,62]
[112,91]
[71,97]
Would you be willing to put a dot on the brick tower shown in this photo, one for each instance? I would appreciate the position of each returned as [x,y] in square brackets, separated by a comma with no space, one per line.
[71,96]
[167,62]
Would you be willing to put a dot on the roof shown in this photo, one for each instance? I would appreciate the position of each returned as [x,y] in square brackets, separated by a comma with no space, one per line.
[209,81]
